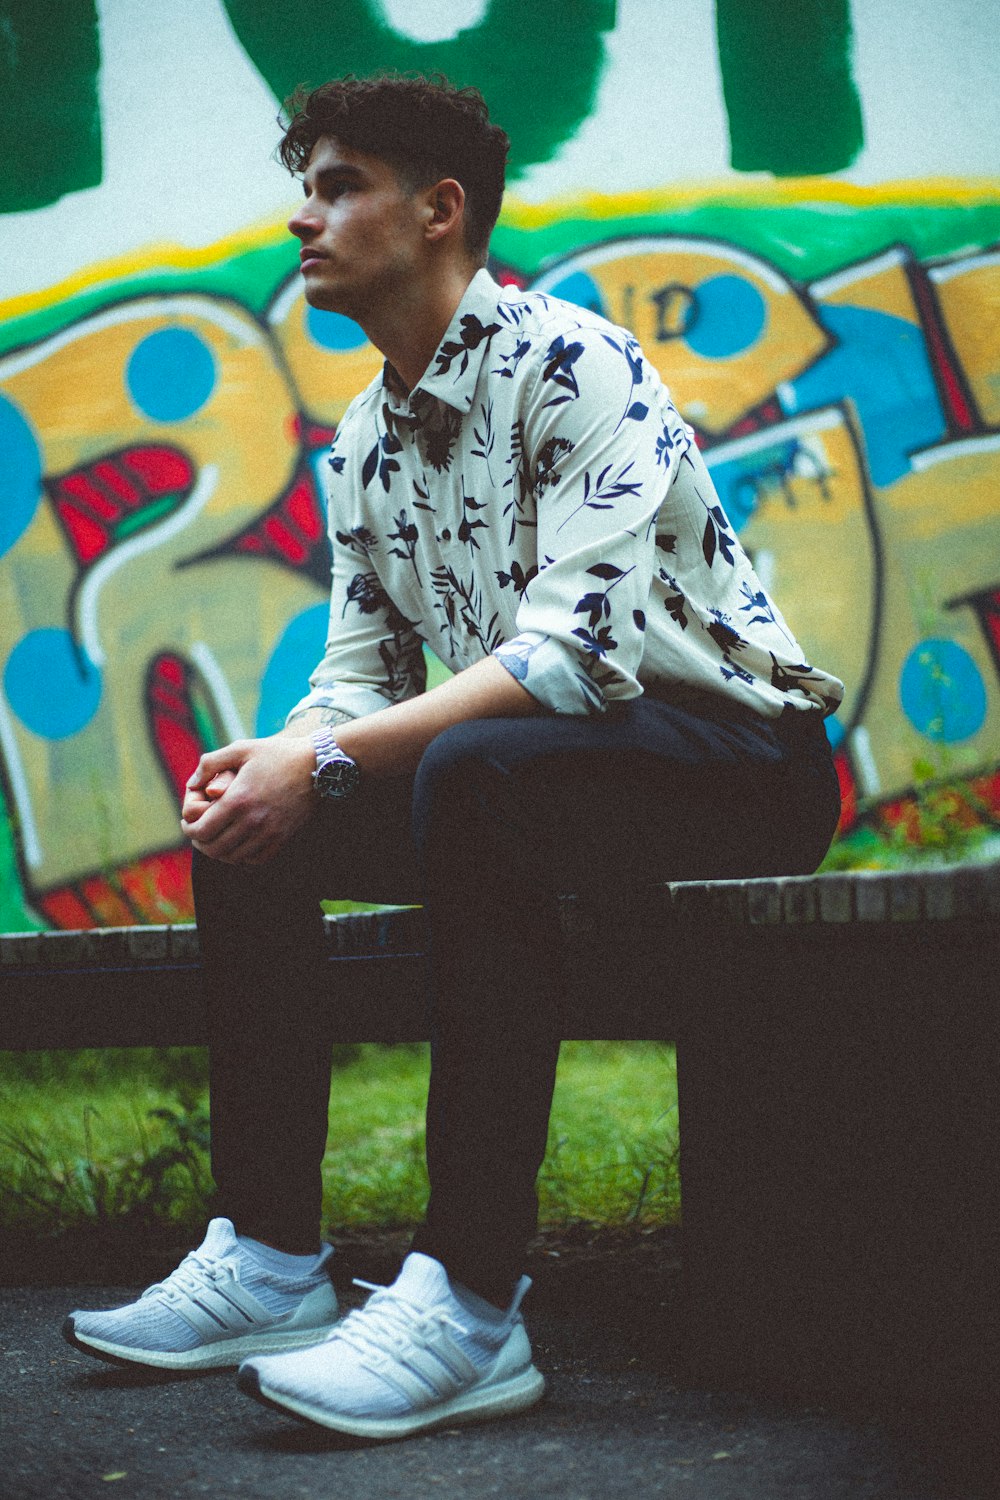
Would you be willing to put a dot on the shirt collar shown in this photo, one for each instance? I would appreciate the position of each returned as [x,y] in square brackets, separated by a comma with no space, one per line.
[452,374]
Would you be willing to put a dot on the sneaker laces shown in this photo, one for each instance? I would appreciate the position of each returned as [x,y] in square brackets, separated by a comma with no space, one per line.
[198,1269]
[388,1322]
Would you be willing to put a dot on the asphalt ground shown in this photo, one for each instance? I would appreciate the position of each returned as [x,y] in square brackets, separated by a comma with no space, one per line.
[616,1420]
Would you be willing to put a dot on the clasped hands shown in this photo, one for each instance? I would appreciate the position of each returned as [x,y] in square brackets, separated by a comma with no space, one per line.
[244,801]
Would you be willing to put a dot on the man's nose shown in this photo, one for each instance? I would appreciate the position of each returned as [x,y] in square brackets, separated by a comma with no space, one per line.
[303,224]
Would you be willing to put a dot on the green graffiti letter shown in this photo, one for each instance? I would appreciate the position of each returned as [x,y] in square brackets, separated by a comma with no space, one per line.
[50,129]
[537,65]
[786,74]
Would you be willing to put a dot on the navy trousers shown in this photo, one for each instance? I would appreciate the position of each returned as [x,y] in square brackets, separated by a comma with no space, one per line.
[502,817]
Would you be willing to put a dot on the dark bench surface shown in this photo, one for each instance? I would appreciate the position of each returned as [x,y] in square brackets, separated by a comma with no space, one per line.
[132,986]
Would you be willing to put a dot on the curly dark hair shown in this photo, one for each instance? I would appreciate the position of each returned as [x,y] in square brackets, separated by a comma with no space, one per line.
[424,128]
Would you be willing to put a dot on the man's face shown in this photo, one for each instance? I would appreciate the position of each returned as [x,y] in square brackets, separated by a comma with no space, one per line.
[361,231]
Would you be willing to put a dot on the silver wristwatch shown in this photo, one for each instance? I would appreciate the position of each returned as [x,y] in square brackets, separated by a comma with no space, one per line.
[336,774]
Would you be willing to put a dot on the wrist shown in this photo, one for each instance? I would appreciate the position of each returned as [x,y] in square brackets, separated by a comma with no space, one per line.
[335,775]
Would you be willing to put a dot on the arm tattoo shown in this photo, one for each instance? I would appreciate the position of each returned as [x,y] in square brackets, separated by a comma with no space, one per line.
[328,717]
[331,716]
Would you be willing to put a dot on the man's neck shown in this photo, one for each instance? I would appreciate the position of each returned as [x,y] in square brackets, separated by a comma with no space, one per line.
[408,334]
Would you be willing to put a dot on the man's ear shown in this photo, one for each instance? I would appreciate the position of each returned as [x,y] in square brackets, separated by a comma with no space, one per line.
[445,206]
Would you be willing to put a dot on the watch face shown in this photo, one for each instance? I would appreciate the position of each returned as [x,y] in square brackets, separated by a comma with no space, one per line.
[338,777]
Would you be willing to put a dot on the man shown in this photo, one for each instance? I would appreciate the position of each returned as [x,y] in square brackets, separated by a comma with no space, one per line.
[628,705]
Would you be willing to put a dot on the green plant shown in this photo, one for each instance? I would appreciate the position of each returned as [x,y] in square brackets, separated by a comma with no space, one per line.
[943,819]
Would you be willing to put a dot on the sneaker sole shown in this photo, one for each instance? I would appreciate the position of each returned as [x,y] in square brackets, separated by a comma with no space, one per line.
[480,1404]
[218,1356]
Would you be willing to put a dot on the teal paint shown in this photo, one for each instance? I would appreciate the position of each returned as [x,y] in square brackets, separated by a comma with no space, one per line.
[50,126]
[786,76]
[883,364]
[537,65]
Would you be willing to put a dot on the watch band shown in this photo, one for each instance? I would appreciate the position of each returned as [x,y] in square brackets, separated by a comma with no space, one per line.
[337,774]
[325,745]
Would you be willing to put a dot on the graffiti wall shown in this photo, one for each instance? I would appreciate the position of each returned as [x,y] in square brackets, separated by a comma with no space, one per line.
[818,282]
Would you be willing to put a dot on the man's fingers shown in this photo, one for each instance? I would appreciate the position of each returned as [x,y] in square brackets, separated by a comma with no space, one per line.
[192,808]
[237,833]
[211,819]
[230,828]
[198,801]
[213,762]
[219,783]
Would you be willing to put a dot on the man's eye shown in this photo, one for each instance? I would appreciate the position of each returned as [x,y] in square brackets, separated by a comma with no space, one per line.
[327,191]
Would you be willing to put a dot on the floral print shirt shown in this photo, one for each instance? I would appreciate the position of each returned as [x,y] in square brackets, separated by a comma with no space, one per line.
[537,497]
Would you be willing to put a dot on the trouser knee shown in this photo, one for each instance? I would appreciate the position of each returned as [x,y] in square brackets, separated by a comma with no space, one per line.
[462,803]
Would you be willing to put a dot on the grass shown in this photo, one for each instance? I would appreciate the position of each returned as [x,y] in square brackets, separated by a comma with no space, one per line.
[120,1138]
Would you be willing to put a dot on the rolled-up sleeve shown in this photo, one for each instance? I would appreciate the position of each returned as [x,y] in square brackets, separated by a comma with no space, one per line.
[603,441]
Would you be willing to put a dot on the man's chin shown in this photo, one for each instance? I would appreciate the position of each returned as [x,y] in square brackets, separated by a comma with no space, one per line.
[320,297]
[328,299]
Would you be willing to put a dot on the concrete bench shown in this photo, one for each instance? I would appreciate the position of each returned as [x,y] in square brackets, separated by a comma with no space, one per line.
[838,1042]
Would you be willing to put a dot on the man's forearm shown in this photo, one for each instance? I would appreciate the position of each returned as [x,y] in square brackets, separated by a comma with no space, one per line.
[268,791]
[391,743]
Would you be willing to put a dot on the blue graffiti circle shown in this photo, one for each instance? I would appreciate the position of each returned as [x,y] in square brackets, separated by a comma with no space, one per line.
[171,374]
[299,648]
[333,331]
[834,731]
[942,691]
[580,288]
[728,318]
[54,689]
[20,475]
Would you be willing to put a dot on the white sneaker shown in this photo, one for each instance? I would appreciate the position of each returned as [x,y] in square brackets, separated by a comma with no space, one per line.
[414,1357]
[216,1308]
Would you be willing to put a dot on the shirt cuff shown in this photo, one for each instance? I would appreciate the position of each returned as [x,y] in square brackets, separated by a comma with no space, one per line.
[551,673]
[346,698]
